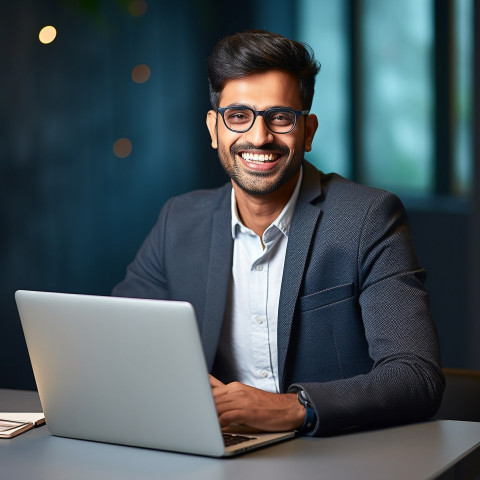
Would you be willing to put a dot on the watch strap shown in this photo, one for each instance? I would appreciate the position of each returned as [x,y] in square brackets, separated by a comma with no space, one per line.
[310,415]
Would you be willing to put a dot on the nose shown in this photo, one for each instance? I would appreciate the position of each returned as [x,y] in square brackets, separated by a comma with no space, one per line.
[259,134]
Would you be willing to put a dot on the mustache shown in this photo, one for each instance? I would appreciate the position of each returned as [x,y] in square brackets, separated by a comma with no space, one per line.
[272,147]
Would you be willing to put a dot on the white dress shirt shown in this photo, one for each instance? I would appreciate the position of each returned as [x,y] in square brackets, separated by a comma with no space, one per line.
[248,342]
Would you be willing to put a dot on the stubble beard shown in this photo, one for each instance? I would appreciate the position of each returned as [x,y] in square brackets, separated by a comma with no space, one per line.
[254,182]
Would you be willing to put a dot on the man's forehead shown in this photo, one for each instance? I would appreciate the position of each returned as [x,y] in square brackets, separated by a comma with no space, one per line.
[271,88]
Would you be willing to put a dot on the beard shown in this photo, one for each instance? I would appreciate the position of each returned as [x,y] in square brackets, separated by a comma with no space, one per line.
[258,182]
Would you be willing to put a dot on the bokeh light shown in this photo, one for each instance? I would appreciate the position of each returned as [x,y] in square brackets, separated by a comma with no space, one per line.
[141,73]
[137,8]
[47,34]
[122,147]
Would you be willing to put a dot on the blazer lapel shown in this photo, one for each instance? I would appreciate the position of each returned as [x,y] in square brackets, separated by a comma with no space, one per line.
[303,225]
[219,271]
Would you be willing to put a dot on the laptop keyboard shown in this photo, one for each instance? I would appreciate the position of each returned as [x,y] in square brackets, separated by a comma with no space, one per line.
[230,439]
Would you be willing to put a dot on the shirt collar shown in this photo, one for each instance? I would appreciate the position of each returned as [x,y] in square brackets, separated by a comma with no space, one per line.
[282,222]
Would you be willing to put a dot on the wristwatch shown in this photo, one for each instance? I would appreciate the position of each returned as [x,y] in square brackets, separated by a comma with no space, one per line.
[310,415]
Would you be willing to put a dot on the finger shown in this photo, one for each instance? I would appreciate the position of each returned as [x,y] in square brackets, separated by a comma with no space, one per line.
[232,416]
[214,382]
[227,398]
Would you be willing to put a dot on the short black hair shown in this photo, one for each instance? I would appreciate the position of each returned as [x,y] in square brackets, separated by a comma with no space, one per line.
[257,51]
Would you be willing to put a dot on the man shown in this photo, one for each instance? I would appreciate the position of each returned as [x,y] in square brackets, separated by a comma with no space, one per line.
[309,298]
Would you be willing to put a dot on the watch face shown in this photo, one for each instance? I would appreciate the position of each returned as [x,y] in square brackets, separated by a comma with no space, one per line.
[310,416]
[302,398]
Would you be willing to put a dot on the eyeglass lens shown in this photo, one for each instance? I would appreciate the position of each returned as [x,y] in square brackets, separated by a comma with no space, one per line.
[241,119]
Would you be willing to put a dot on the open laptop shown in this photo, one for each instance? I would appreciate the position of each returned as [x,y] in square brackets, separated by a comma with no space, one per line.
[125,371]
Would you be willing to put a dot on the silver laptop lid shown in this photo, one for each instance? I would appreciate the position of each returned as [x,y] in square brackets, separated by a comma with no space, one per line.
[121,370]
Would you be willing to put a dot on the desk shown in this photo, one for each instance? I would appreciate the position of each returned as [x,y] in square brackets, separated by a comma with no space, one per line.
[442,449]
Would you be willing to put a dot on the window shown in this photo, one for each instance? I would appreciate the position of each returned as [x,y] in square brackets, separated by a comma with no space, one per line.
[397,98]
[323,27]
[463,55]
[379,99]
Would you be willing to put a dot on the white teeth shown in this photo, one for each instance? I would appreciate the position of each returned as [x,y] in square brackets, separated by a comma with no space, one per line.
[254,157]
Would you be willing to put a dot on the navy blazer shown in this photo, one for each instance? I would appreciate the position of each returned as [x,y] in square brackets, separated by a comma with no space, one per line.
[354,327]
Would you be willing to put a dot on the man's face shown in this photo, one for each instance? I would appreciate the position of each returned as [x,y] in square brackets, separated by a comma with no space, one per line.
[260,161]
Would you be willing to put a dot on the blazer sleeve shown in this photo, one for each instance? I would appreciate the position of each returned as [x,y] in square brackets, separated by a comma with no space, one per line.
[145,276]
[406,382]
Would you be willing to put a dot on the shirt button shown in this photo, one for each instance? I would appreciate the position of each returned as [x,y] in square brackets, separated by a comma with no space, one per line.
[263,373]
[259,268]
[259,320]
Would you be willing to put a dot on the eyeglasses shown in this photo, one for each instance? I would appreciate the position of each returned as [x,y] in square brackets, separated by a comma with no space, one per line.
[240,119]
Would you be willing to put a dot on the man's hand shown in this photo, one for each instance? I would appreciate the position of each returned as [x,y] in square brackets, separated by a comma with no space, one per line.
[244,405]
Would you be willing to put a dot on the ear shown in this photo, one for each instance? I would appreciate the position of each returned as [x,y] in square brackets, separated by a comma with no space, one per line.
[311,125]
[212,127]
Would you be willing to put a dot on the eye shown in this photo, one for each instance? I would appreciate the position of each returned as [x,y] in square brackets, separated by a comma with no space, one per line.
[238,116]
[281,118]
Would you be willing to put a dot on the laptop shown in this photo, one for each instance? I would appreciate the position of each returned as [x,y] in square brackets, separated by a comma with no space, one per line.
[126,371]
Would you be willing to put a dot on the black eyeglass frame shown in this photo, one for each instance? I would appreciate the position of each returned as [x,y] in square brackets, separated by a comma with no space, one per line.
[262,113]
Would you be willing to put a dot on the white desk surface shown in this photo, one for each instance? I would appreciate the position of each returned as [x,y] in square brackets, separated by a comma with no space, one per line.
[438,449]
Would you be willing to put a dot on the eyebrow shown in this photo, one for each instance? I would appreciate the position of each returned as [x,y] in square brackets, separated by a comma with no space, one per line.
[253,107]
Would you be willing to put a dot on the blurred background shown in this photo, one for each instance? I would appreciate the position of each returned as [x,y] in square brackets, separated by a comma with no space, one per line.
[103,119]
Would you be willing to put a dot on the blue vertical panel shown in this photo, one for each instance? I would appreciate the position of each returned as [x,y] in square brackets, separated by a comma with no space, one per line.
[397,42]
[463,151]
[323,25]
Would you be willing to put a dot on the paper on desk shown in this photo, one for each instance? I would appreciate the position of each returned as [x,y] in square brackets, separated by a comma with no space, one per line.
[38,418]
[15,423]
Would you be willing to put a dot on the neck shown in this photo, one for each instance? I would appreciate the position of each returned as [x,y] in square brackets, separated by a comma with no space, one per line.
[259,211]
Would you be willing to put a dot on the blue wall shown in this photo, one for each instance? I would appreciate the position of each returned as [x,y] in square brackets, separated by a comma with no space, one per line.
[72,213]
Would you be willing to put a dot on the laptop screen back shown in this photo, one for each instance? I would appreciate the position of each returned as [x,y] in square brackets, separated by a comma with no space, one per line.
[121,370]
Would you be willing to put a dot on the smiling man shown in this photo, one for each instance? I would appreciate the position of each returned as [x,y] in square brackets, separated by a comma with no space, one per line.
[309,298]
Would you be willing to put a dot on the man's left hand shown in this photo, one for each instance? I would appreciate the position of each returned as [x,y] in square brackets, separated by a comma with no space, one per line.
[245,405]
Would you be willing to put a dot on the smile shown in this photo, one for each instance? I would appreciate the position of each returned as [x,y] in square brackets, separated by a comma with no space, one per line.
[256,158]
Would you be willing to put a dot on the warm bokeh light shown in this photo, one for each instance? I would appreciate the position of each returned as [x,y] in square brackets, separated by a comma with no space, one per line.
[141,73]
[122,148]
[137,8]
[47,34]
